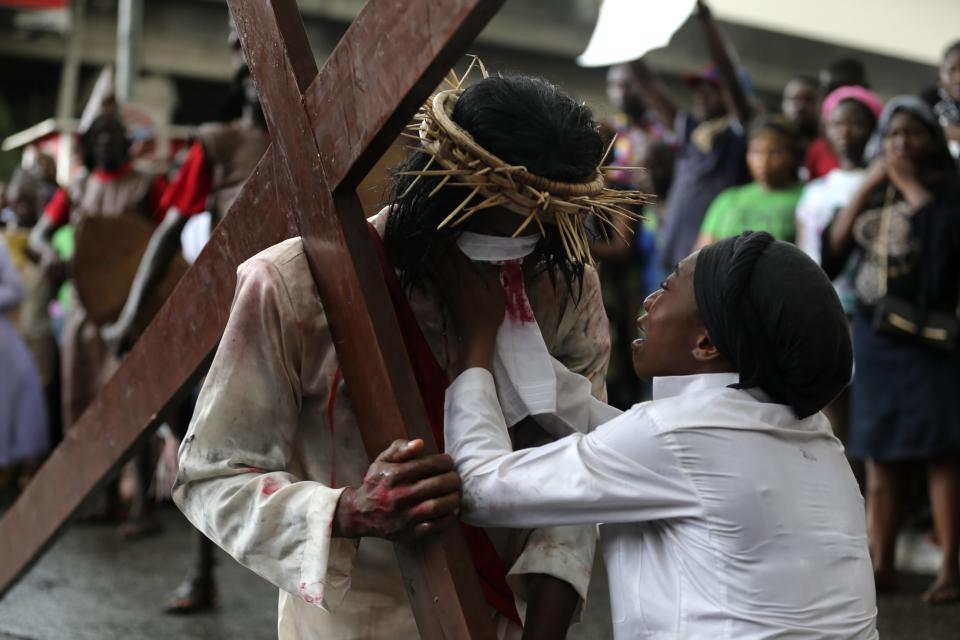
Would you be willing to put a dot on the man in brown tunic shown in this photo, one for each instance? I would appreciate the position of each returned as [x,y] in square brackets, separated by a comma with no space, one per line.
[110,187]
[273,463]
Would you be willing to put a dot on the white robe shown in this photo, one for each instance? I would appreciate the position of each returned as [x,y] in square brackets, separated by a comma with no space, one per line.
[262,465]
[724,517]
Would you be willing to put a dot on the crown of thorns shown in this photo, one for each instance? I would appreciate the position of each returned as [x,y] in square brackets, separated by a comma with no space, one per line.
[457,159]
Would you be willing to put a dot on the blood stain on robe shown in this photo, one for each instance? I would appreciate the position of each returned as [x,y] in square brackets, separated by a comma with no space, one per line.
[271,486]
[311,598]
[518,307]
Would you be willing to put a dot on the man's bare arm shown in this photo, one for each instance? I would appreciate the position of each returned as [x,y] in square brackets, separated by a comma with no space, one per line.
[654,93]
[550,606]
[734,95]
[39,241]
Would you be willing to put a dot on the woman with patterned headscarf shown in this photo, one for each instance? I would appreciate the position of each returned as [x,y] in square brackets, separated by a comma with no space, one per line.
[904,224]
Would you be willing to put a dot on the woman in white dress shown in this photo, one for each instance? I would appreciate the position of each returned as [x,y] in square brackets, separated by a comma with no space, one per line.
[727,507]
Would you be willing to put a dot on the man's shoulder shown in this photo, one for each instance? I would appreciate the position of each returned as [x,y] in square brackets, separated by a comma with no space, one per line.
[220,139]
[285,263]
[209,133]
[280,276]
[283,256]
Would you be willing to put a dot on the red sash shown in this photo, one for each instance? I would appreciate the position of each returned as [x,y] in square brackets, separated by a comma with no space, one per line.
[432,381]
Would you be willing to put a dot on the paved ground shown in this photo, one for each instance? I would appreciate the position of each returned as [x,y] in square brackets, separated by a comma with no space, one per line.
[91,586]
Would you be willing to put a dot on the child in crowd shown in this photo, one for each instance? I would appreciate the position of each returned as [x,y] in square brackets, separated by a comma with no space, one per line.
[820,158]
[769,202]
[850,116]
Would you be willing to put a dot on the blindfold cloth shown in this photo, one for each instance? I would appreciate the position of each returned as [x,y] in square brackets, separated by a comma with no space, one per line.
[522,367]
[773,312]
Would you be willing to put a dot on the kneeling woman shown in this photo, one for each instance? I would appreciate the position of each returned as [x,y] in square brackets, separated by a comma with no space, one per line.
[728,508]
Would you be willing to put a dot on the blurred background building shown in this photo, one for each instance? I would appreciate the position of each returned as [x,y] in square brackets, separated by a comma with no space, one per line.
[185,66]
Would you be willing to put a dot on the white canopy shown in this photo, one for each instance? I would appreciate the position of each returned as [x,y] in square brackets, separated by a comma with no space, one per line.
[918,31]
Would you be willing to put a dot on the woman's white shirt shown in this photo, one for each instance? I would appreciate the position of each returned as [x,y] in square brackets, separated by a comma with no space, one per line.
[722,515]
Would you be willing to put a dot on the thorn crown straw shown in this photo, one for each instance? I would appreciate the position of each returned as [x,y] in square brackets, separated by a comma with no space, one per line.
[458,160]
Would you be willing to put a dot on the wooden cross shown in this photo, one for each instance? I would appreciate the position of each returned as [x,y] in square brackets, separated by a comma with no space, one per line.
[327,130]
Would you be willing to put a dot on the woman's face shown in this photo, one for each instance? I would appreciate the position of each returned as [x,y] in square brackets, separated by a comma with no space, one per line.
[849,129]
[906,138]
[771,160]
[670,327]
[950,75]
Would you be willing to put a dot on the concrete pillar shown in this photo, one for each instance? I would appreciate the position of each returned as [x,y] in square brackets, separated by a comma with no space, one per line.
[129,47]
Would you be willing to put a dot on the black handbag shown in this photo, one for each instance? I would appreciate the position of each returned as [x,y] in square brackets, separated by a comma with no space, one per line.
[905,318]
[900,317]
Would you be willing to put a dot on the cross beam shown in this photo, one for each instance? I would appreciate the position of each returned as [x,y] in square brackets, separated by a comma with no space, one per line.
[328,128]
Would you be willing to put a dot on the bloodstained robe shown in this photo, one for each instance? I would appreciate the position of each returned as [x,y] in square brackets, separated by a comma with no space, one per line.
[271,445]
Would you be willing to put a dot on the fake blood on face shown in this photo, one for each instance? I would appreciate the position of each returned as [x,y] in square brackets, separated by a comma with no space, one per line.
[518,307]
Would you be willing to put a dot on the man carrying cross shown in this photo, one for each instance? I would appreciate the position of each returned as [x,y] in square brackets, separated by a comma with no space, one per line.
[273,468]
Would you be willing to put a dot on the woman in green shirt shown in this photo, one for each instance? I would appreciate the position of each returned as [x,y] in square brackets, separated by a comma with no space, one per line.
[769,202]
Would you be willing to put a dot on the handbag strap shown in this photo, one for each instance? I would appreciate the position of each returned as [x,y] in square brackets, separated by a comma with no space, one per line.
[886,218]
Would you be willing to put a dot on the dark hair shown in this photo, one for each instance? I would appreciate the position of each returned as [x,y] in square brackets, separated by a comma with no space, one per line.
[234,98]
[524,121]
[847,71]
[930,94]
[804,79]
[951,49]
[779,125]
[864,109]
[103,122]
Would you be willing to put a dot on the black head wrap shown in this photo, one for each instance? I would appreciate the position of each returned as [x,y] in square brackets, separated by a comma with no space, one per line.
[773,312]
